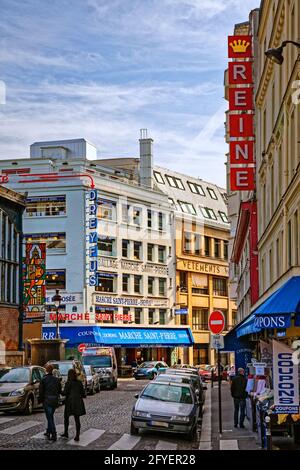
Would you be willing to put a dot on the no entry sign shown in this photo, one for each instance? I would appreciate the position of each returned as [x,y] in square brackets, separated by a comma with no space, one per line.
[81,347]
[216,322]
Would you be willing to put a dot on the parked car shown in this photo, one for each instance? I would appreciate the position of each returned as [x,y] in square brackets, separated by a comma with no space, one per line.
[205,372]
[93,380]
[65,366]
[193,380]
[19,389]
[104,361]
[166,407]
[215,371]
[3,370]
[149,369]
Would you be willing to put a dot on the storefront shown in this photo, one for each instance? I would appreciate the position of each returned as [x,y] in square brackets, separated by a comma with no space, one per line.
[132,343]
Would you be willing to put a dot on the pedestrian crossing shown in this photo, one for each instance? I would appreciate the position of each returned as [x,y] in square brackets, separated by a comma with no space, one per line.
[89,437]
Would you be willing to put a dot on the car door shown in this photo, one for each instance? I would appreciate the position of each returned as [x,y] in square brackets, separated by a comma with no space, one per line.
[35,383]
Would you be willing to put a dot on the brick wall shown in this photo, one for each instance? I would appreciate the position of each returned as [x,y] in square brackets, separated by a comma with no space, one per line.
[9,327]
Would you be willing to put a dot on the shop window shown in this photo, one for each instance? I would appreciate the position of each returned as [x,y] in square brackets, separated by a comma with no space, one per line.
[162,317]
[137,250]
[162,286]
[46,206]
[161,254]
[220,286]
[137,284]
[200,319]
[151,314]
[106,282]
[137,216]
[200,354]
[125,248]
[107,210]
[56,279]
[106,246]
[137,315]
[105,314]
[150,252]
[55,242]
[151,285]
[125,282]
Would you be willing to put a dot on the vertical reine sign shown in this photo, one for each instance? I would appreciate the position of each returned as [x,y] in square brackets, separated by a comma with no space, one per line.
[241,113]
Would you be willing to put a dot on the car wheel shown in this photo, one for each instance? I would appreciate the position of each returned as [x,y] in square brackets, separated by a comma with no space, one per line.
[192,434]
[29,407]
[133,431]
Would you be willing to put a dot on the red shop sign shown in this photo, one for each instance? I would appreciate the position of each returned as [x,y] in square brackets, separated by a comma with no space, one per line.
[241,99]
[242,152]
[239,47]
[242,179]
[241,125]
[240,73]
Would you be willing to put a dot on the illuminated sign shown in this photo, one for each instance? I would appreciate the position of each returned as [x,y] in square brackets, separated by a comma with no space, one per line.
[91,237]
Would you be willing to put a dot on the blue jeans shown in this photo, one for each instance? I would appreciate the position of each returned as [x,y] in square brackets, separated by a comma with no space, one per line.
[239,407]
[50,410]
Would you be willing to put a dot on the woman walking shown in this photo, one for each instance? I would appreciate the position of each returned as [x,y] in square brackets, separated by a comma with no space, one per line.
[74,405]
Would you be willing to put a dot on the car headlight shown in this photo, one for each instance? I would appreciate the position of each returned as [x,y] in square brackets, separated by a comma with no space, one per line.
[17,393]
[183,419]
[141,414]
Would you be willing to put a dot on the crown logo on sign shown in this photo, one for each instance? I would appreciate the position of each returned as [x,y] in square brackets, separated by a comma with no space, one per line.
[239,46]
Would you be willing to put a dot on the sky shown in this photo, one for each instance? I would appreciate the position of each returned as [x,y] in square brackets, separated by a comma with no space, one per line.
[104,69]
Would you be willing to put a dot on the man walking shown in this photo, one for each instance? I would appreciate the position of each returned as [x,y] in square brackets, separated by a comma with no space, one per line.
[239,395]
[50,390]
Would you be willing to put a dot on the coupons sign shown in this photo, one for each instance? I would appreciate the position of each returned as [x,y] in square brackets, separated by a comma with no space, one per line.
[286,380]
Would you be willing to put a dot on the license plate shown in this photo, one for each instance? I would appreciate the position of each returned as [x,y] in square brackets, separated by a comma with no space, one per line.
[160,424]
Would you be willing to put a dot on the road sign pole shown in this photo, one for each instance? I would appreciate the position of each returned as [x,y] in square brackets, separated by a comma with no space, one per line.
[220,392]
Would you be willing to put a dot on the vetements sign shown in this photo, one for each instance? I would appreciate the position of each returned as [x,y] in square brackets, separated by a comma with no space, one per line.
[216,322]
[285,379]
[241,117]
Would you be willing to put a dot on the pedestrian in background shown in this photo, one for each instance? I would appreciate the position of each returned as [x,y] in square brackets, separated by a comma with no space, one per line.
[239,395]
[49,394]
[74,404]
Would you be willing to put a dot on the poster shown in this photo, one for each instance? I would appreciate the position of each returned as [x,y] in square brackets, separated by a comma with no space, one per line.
[34,282]
[285,379]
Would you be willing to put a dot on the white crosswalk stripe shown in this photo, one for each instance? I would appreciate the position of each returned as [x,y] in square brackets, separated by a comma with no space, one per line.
[229,444]
[87,437]
[127,442]
[20,427]
[4,420]
[59,429]
[164,445]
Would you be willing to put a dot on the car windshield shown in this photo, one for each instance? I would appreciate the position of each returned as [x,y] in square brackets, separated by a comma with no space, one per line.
[63,367]
[3,371]
[169,393]
[88,370]
[19,375]
[97,361]
[147,365]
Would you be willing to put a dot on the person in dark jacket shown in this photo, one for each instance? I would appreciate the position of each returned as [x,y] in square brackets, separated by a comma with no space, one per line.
[239,395]
[49,393]
[74,404]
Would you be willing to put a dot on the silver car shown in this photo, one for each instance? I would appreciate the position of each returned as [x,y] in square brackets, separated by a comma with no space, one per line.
[167,407]
[93,380]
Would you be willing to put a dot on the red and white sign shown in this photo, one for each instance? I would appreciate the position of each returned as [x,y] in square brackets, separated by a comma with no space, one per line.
[3,179]
[242,179]
[240,73]
[241,99]
[242,152]
[216,322]
[239,47]
[241,125]
[81,347]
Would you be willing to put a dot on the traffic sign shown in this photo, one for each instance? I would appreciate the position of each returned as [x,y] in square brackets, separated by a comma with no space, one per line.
[81,347]
[216,322]
[217,342]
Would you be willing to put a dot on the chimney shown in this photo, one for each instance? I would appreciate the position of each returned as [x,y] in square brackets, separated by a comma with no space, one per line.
[146,159]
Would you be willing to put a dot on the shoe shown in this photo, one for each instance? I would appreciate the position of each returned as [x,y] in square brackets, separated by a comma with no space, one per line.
[47,434]
[65,434]
[76,438]
[53,438]
[235,425]
[242,426]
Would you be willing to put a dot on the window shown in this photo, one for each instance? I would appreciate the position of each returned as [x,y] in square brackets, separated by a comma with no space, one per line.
[196,188]
[151,285]
[197,244]
[289,244]
[207,246]
[56,279]
[137,315]
[183,281]
[217,248]
[106,282]
[162,317]
[125,282]
[150,252]
[224,217]
[161,254]
[125,213]
[137,250]
[172,202]
[220,286]
[125,248]
[107,246]
[159,178]
[162,286]
[226,244]
[200,319]
[137,284]
[208,213]
[175,182]
[107,210]
[187,247]
[55,242]
[187,208]
[212,193]
[126,316]
[137,216]
[161,221]
[45,206]
[149,218]
[151,314]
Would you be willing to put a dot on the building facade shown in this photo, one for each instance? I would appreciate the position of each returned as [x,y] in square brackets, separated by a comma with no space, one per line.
[12,206]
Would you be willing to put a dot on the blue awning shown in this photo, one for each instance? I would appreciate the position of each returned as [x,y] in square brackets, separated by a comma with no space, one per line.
[285,300]
[133,337]
[248,327]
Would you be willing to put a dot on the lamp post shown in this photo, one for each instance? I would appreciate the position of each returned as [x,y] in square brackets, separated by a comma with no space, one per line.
[276,55]
[57,299]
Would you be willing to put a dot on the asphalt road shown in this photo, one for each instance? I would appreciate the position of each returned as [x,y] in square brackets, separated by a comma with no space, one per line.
[106,425]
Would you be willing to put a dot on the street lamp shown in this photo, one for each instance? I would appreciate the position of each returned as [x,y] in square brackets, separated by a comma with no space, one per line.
[57,299]
[276,55]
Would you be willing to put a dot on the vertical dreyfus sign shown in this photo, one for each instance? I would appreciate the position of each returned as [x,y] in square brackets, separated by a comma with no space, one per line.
[241,117]
[91,237]
[285,379]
